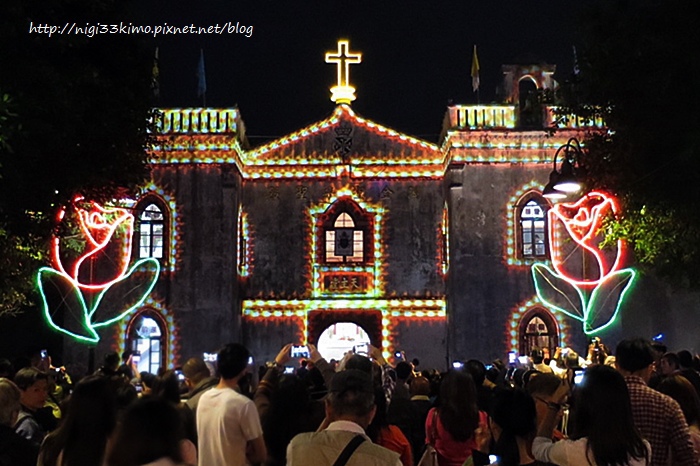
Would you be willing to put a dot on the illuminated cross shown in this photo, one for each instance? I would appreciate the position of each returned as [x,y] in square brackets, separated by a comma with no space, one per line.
[343,92]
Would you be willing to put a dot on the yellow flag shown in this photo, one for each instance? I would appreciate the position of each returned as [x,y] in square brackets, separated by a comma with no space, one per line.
[475,71]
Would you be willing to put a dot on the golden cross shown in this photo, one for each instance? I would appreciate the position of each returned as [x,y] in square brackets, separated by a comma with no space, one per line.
[343,92]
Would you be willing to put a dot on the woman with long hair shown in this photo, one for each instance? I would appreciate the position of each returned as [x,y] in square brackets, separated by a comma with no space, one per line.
[680,389]
[512,425]
[603,431]
[451,425]
[83,437]
[150,435]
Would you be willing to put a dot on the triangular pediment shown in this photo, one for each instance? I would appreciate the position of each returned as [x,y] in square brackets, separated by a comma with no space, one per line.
[345,137]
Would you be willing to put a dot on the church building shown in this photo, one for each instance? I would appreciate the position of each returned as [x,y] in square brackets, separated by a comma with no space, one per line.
[347,232]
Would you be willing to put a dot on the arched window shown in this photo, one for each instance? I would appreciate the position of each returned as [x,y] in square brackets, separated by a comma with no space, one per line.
[538,328]
[146,338]
[533,230]
[344,242]
[152,232]
[529,105]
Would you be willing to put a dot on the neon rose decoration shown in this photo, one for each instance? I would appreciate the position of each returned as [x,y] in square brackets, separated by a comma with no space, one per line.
[95,289]
[586,282]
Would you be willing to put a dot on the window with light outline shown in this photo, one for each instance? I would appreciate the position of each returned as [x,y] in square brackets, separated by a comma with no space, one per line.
[532,227]
[345,242]
[152,229]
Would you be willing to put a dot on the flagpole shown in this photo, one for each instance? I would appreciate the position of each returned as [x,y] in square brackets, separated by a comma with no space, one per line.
[155,78]
[201,79]
[475,76]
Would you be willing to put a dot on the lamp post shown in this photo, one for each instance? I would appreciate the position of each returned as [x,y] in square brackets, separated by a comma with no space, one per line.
[564,181]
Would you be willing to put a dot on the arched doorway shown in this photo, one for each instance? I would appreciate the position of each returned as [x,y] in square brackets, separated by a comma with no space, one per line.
[358,326]
[146,335]
[529,104]
[538,328]
[341,337]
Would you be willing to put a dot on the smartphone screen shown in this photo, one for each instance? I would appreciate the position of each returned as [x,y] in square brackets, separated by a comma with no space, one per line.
[362,348]
[288,370]
[44,354]
[578,376]
[511,357]
[299,352]
[457,364]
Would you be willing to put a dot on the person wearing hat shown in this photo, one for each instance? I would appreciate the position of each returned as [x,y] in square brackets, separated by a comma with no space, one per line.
[350,408]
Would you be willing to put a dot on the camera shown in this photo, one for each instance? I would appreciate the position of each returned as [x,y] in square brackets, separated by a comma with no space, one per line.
[299,352]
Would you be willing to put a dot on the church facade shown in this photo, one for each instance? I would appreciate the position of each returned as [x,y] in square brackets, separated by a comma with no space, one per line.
[347,232]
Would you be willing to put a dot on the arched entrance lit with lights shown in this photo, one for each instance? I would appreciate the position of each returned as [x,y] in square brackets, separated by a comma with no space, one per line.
[334,332]
[341,337]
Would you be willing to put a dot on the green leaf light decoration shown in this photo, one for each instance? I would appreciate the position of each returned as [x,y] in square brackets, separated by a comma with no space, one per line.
[99,289]
[586,281]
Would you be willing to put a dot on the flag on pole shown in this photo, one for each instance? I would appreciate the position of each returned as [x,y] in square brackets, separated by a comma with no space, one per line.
[155,77]
[201,76]
[475,71]
[576,68]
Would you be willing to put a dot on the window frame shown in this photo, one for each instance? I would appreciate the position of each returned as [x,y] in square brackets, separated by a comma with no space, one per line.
[131,341]
[141,207]
[551,325]
[520,240]
[362,223]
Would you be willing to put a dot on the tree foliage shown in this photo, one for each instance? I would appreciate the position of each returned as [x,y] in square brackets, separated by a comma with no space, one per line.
[73,119]
[638,68]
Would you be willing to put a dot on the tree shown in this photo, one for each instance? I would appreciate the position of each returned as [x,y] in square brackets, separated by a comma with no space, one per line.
[76,120]
[638,67]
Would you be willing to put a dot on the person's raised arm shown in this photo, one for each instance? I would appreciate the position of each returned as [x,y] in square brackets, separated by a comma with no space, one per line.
[268,384]
[326,369]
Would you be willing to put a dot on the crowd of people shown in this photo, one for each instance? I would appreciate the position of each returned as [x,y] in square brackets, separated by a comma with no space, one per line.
[638,406]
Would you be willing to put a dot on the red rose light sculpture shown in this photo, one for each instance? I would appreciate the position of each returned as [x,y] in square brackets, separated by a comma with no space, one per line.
[587,282]
[95,289]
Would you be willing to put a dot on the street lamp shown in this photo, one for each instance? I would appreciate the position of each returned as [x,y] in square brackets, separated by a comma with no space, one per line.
[564,181]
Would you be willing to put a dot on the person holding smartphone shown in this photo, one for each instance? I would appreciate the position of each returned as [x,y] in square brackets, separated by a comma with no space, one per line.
[603,433]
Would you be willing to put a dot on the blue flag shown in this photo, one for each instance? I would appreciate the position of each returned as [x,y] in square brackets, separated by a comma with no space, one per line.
[201,76]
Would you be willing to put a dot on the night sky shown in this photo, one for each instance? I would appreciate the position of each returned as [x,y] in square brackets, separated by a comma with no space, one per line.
[416,56]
